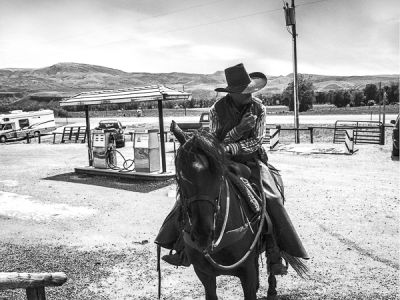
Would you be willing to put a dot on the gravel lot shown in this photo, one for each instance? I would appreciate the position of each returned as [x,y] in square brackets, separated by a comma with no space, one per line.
[100,231]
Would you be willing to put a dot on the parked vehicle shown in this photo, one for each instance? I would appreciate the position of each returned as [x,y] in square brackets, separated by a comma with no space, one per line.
[18,124]
[204,123]
[115,127]
[395,137]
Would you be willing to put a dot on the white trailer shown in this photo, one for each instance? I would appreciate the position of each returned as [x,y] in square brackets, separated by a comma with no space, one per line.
[17,124]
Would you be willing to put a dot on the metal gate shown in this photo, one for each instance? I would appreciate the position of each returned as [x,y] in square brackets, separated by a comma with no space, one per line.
[365,132]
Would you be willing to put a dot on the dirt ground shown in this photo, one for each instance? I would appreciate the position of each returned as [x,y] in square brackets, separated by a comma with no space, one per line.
[100,232]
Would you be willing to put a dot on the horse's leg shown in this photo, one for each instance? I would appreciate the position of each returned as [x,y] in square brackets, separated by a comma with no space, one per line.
[272,294]
[209,282]
[249,280]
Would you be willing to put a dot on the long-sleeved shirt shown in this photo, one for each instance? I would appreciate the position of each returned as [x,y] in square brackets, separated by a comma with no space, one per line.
[224,118]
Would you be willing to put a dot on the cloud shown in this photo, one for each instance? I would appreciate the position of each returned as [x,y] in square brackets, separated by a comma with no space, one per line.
[200,37]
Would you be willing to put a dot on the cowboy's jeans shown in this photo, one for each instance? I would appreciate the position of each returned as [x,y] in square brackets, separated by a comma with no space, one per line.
[170,233]
[286,236]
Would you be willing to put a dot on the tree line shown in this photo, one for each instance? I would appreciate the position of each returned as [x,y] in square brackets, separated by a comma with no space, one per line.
[308,96]
[369,95]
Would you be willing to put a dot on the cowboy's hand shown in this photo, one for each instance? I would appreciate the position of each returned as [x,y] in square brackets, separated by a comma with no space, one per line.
[247,123]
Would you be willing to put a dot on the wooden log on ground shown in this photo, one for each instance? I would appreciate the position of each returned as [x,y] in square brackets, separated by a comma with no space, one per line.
[13,280]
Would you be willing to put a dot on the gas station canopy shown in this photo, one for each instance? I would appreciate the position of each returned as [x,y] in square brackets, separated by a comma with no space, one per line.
[136,94]
[157,93]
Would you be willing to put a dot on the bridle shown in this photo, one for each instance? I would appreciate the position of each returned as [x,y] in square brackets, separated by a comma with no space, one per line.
[216,203]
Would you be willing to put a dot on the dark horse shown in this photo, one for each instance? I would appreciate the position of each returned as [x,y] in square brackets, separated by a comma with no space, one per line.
[222,232]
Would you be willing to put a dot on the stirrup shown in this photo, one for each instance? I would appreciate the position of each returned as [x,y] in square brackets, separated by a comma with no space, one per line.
[177,259]
[278,268]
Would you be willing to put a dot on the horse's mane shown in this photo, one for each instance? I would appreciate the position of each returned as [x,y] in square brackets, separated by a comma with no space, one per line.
[202,142]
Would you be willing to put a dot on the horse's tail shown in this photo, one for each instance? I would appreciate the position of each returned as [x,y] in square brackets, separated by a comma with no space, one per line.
[297,264]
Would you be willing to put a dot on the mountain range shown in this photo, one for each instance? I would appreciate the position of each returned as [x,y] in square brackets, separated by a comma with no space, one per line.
[66,79]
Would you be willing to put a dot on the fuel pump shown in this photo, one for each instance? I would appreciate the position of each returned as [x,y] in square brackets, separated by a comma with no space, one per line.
[103,148]
[146,150]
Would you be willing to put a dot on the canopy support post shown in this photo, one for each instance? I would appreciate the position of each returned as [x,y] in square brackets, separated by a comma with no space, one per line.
[89,138]
[162,142]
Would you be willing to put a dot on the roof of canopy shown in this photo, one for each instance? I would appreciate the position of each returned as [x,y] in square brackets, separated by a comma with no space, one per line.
[136,94]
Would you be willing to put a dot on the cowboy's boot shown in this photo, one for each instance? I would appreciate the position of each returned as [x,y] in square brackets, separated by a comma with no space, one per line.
[178,258]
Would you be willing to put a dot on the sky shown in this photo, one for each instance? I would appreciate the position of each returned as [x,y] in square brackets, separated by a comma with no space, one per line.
[335,37]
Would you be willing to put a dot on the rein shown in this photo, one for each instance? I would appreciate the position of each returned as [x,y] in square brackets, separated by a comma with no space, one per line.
[228,202]
[216,243]
[246,255]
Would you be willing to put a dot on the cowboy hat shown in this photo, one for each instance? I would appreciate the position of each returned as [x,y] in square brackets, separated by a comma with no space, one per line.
[240,82]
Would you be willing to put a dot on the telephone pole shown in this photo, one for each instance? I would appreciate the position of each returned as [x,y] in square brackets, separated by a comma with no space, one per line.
[290,17]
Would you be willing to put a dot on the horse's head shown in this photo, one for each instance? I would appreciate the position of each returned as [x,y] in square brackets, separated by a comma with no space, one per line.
[199,167]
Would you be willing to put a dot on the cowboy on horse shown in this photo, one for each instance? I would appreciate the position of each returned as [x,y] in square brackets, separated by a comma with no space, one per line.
[238,123]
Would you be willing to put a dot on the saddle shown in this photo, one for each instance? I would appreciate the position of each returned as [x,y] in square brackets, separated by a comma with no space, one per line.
[239,175]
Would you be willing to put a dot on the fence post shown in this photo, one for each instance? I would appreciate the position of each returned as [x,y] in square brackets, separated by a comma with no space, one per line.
[63,135]
[297,134]
[274,136]
[84,136]
[311,134]
[70,134]
[349,140]
[382,134]
[77,134]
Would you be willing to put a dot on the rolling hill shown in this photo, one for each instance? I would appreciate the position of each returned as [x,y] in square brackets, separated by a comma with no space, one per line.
[66,79]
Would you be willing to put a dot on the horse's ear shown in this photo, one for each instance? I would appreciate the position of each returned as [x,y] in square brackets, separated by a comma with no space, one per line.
[178,133]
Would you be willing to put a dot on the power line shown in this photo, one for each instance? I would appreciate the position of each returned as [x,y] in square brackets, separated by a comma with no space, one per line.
[308,3]
[198,25]
[140,20]
[223,20]
[213,22]
[182,9]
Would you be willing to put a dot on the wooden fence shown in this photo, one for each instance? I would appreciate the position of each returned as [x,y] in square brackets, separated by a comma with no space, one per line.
[71,134]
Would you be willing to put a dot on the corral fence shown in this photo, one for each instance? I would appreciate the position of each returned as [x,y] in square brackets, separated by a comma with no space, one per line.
[71,134]
[365,132]
[273,132]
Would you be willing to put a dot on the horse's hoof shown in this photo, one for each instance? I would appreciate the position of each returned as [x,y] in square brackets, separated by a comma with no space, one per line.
[272,297]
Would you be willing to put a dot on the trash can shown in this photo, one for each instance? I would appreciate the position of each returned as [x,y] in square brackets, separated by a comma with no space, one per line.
[103,148]
[146,150]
